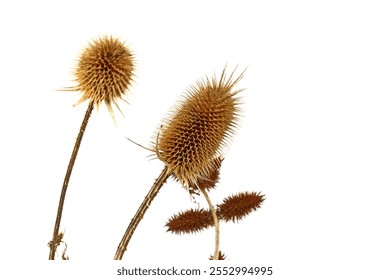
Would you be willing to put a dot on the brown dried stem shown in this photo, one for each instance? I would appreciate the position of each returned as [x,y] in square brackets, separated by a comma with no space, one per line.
[216,224]
[53,243]
[140,213]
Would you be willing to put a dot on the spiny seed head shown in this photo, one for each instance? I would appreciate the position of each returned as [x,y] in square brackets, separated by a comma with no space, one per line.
[221,256]
[195,133]
[212,178]
[236,207]
[104,72]
[190,221]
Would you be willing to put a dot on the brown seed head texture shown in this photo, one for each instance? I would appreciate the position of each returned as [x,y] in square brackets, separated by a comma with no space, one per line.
[104,72]
[212,178]
[190,221]
[195,133]
[221,256]
[236,207]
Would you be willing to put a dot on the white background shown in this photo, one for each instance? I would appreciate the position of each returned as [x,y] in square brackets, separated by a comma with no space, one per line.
[314,137]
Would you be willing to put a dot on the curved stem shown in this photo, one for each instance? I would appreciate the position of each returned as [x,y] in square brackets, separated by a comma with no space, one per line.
[54,242]
[140,213]
[216,224]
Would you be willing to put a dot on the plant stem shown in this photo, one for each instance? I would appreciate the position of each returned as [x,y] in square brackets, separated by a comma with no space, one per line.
[54,244]
[216,224]
[140,213]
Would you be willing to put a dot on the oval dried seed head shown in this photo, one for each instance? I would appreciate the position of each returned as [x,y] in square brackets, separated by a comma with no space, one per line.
[238,206]
[190,221]
[195,133]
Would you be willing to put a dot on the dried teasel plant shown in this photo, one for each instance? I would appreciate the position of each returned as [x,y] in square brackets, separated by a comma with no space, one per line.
[236,207]
[104,73]
[190,221]
[233,208]
[221,256]
[212,179]
[204,185]
[58,242]
[195,132]
[183,223]
[190,140]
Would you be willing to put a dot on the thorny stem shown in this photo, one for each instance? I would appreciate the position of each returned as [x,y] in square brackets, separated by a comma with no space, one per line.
[53,243]
[140,213]
[216,224]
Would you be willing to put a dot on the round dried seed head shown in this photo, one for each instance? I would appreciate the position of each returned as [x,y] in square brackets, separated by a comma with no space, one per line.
[195,133]
[104,72]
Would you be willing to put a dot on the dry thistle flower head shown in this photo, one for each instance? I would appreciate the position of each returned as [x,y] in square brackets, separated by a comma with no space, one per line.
[190,221]
[104,72]
[221,256]
[195,133]
[212,178]
[236,207]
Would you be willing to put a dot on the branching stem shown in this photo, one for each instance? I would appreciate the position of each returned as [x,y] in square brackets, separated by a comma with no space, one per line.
[140,213]
[216,224]
[53,243]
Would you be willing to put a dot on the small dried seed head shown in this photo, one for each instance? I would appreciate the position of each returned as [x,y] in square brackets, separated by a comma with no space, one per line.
[104,72]
[221,256]
[212,178]
[195,133]
[236,207]
[190,221]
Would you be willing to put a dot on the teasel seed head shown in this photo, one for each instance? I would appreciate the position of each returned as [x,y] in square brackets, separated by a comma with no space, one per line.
[190,221]
[104,72]
[221,256]
[196,132]
[212,178]
[236,207]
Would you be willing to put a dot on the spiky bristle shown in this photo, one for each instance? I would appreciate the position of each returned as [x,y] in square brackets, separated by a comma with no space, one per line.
[212,178]
[195,133]
[104,72]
